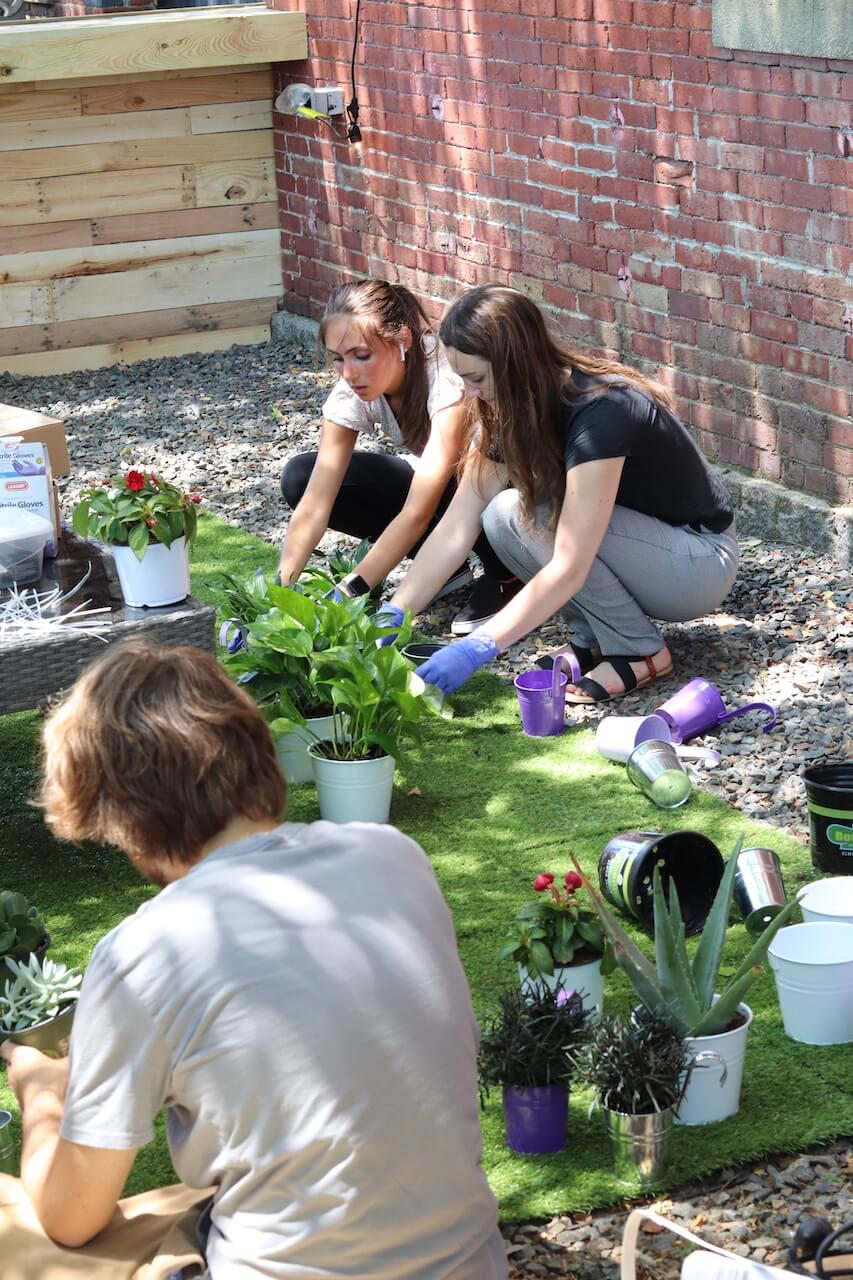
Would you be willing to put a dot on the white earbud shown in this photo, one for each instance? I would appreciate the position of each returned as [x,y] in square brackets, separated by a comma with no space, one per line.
[402,352]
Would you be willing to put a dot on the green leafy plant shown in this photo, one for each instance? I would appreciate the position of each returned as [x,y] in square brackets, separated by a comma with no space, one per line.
[527,1039]
[637,1066]
[22,929]
[555,929]
[341,562]
[37,991]
[681,988]
[137,509]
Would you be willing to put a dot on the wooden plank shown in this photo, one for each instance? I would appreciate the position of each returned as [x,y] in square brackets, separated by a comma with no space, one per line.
[195,282]
[96,195]
[23,103]
[28,238]
[184,222]
[237,182]
[228,116]
[139,324]
[104,356]
[77,131]
[110,259]
[152,95]
[217,37]
[24,304]
[143,77]
[102,157]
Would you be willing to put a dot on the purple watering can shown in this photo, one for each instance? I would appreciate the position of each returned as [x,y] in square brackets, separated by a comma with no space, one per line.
[699,708]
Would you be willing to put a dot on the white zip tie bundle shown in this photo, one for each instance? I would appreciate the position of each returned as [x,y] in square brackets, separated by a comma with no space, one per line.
[29,614]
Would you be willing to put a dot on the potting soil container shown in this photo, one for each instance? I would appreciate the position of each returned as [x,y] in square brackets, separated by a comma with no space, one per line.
[813,968]
[537,1119]
[829,793]
[690,860]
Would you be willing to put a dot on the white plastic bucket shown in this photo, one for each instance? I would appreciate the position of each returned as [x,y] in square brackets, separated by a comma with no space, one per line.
[813,967]
[827,901]
[713,1093]
[587,979]
[353,790]
[161,577]
[292,748]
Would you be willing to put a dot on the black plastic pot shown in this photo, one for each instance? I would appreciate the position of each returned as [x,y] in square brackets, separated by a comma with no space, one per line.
[688,859]
[829,794]
[420,653]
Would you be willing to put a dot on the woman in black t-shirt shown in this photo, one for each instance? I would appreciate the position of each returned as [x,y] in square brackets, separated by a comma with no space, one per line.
[589,489]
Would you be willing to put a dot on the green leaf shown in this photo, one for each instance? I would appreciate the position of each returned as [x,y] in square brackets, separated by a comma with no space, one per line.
[138,540]
[541,960]
[673,964]
[80,519]
[718,1017]
[706,962]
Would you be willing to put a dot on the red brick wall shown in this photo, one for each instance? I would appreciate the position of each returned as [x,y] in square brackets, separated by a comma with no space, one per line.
[685,207]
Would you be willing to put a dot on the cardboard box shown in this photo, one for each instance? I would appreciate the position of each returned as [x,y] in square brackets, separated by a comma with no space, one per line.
[40,428]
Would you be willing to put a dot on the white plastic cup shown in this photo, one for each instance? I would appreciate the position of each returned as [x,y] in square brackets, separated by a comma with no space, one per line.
[813,968]
[827,901]
[617,736]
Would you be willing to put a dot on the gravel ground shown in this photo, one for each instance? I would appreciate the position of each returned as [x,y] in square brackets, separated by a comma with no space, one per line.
[224,424]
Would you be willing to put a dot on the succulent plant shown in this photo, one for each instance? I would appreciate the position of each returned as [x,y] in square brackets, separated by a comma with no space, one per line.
[527,1037]
[684,990]
[39,990]
[21,927]
[637,1066]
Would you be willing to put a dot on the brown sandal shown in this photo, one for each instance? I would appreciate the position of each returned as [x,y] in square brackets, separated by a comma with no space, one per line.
[631,682]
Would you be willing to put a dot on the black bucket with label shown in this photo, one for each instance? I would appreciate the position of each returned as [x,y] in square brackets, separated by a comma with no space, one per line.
[686,858]
[829,794]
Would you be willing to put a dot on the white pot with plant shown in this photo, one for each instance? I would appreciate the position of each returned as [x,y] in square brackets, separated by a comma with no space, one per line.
[378,701]
[37,1005]
[555,940]
[150,525]
[684,989]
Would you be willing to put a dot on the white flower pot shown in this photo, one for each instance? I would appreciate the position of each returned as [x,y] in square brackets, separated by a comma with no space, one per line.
[353,790]
[587,979]
[713,1092]
[292,748]
[813,967]
[162,576]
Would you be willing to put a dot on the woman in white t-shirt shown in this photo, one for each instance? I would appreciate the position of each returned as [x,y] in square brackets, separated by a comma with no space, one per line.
[393,380]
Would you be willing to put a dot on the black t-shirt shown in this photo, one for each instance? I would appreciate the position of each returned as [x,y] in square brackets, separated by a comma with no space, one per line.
[665,474]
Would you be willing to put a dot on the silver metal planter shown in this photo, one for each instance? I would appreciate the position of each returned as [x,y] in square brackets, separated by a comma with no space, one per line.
[8,1155]
[50,1037]
[639,1145]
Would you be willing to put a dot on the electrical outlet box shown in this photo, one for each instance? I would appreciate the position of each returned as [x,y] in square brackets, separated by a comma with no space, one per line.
[328,100]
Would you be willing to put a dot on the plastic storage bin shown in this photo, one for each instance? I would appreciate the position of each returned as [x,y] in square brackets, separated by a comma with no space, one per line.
[23,537]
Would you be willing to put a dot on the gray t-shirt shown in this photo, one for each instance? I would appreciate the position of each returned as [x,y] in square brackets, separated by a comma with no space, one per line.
[297,1004]
[344,407]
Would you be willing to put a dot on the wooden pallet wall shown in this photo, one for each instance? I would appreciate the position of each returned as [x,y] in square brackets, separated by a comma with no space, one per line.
[138,218]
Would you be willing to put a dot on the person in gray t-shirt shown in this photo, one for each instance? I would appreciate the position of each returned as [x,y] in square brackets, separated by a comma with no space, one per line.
[293,999]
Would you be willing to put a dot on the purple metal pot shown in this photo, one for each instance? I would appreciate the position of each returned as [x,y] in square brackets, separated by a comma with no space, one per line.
[698,708]
[537,1118]
[542,700]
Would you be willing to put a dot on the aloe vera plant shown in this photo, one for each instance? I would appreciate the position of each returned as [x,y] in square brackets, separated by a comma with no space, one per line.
[677,986]
[39,990]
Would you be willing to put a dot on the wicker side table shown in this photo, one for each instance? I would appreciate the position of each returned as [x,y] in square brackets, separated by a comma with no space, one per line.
[33,670]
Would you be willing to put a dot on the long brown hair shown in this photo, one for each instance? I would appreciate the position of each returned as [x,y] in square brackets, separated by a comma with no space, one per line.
[532,378]
[157,751]
[381,311]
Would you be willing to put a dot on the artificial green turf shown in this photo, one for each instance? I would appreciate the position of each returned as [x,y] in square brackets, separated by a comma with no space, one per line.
[493,808]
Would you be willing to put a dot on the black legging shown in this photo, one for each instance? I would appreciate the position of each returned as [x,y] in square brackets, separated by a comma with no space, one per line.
[372,494]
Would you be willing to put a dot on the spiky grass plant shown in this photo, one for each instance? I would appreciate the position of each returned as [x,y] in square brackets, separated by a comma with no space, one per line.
[528,1037]
[637,1066]
[681,988]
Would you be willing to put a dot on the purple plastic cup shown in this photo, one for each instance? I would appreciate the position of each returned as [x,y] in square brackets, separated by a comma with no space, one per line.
[537,1118]
[542,700]
[698,708]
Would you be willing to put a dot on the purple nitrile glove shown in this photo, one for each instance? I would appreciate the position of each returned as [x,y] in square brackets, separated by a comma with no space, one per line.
[232,636]
[451,667]
[388,615]
[334,593]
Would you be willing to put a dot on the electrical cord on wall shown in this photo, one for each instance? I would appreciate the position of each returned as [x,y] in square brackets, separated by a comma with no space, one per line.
[353,131]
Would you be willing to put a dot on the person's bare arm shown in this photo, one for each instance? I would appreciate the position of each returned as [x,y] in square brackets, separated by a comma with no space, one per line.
[453,536]
[437,464]
[73,1189]
[585,514]
[310,520]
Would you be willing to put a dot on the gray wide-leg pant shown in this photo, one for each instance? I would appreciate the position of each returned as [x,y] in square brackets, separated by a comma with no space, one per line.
[645,568]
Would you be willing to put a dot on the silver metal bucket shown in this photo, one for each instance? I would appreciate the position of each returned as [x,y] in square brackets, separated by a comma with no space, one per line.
[759,888]
[8,1154]
[639,1145]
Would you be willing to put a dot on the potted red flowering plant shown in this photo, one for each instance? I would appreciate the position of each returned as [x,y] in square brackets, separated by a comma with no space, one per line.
[150,525]
[557,941]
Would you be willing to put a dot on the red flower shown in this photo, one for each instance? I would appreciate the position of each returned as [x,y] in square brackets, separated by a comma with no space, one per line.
[543,882]
[135,480]
[572,881]
[194,497]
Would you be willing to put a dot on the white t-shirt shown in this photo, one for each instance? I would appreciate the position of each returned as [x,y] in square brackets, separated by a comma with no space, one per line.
[297,1004]
[344,407]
